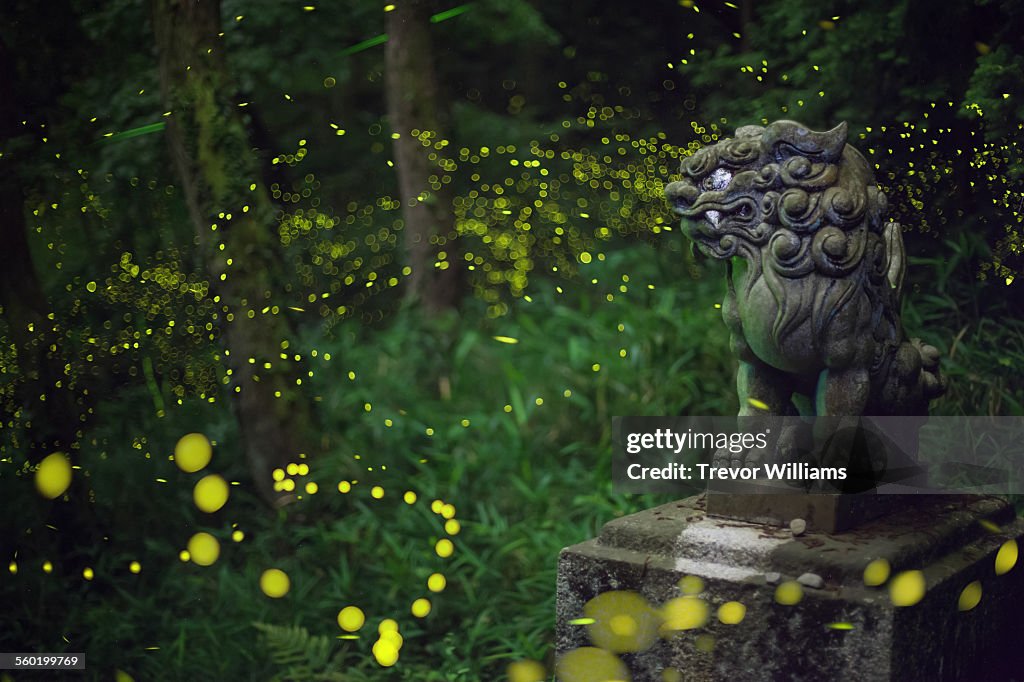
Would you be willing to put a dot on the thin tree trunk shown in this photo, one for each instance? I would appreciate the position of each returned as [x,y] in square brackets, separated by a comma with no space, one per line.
[746,21]
[42,393]
[216,167]
[413,105]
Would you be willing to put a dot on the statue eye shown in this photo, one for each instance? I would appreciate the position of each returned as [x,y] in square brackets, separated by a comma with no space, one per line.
[745,211]
[717,181]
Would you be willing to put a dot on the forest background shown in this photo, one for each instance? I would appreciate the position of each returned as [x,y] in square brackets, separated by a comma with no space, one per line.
[401,264]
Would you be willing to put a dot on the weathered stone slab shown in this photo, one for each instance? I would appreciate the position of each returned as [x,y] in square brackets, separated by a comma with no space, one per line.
[829,513]
[950,539]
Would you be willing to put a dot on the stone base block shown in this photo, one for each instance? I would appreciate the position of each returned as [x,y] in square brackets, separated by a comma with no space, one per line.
[841,629]
[829,513]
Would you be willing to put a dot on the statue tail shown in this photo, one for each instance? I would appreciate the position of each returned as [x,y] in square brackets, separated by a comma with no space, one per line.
[932,383]
[913,379]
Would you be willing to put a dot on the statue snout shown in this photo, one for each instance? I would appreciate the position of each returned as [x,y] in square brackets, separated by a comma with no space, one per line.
[681,194]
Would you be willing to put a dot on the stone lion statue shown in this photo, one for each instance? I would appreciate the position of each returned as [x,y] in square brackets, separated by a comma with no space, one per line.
[814,273]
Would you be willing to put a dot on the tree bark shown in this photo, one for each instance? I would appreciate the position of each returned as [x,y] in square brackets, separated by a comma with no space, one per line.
[216,167]
[414,109]
[41,394]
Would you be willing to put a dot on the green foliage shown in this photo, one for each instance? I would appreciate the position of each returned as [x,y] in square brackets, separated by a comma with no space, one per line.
[301,656]
[502,410]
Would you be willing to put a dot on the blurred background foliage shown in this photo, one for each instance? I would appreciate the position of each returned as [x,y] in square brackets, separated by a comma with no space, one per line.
[560,124]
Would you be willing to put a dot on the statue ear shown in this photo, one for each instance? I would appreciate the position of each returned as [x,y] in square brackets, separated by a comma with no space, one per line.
[831,142]
[787,137]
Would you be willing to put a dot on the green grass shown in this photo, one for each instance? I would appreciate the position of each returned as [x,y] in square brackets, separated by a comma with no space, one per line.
[515,435]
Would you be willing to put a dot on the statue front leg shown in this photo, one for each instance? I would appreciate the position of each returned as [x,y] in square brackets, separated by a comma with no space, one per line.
[763,391]
[841,399]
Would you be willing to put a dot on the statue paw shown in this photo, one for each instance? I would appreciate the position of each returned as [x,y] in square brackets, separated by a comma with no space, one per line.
[720,458]
[755,457]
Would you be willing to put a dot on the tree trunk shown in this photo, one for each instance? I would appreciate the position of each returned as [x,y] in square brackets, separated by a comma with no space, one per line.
[41,394]
[216,167]
[413,109]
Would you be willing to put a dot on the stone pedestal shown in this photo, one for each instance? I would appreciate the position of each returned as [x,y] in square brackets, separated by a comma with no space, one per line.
[840,630]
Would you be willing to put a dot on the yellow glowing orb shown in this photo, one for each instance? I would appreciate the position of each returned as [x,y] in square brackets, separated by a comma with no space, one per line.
[527,671]
[386,653]
[210,493]
[387,625]
[88,573]
[684,613]
[122,676]
[421,607]
[135,567]
[344,487]
[732,612]
[53,476]
[588,664]
[444,548]
[193,452]
[1006,558]
[452,527]
[436,582]
[705,643]
[623,621]
[351,618]
[970,597]
[907,588]
[393,637]
[789,593]
[376,492]
[204,549]
[409,497]
[275,583]
[623,625]
[691,584]
[876,573]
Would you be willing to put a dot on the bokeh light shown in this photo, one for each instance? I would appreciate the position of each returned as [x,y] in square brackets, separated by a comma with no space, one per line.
[210,493]
[1006,557]
[351,618]
[876,572]
[275,583]
[53,476]
[623,621]
[732,612]
[204,549]
[527,671]
[907,588]
[789,593]
[684,613]
[970,596]
[590,664]
[192,452]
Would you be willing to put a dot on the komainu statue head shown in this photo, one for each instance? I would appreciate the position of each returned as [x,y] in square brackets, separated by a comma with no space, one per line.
[814,277]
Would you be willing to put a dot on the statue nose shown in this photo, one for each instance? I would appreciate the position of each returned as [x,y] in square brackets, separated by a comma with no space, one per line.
[681,193]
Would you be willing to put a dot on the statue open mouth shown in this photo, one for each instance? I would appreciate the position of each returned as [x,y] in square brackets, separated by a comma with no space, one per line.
[717,224]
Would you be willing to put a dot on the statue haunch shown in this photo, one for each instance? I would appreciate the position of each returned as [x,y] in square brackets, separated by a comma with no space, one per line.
[814,274]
